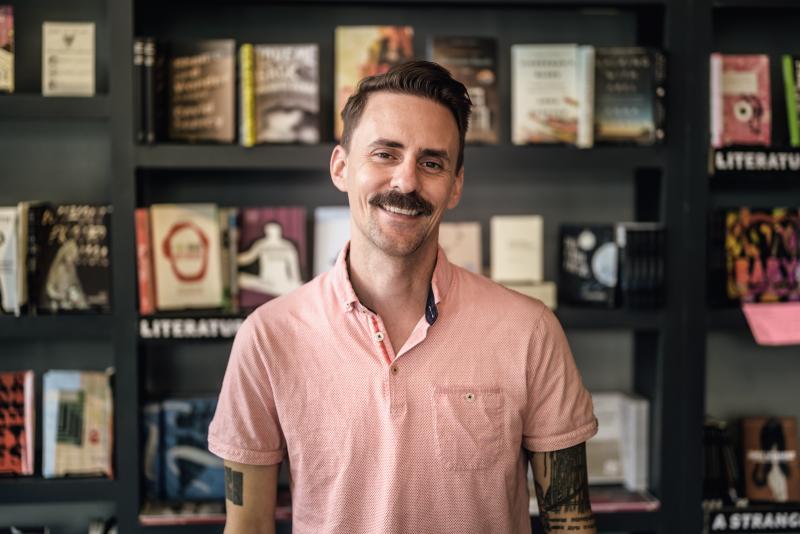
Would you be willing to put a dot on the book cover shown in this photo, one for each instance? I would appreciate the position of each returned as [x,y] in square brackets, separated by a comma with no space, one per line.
[17,423]
[771,469]
[363,51]
[272,255]
[190,472]
[202,91]
[791,85]
[462,244]
[144,262]
[77,428]
[640,278]
[6,49]
[186,256]
[629,95]
[517,248]
[138,90]
[741,106]
[547,84]
[68,59]
[9,262]
[761,254]
[331,233]
[588,266]
[286,93]
[473,62]
[73,258]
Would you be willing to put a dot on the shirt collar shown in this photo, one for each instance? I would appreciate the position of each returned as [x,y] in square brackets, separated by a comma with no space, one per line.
[440,282]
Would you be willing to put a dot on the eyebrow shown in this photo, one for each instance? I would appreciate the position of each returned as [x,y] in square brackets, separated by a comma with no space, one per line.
[425,152]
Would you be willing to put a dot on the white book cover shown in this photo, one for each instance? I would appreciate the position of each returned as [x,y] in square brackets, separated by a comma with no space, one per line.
[9,265]
[546,92]
[517,248]
[635,442]
[186,256]
[461,242]
[604,451]
[331,233]
[68,59]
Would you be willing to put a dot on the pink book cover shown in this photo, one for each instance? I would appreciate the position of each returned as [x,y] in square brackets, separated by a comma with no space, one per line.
[273,253]
[746,107]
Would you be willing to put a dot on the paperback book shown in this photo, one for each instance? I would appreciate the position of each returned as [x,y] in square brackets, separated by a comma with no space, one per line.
[17,423]
[791,84]
[741,110]
[771,468]
[68,59]
[9,260]
[331,233]
[6,49]
[589,265]
[517,248]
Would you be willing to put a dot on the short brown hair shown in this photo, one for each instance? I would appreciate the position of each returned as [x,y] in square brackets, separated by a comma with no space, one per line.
[417,78]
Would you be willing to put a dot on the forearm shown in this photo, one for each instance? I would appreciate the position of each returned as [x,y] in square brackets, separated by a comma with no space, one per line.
[579,523]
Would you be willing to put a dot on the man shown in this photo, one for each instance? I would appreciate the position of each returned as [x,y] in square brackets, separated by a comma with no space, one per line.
[407,394]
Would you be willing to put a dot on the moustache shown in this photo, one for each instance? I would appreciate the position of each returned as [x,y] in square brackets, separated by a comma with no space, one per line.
[408,202]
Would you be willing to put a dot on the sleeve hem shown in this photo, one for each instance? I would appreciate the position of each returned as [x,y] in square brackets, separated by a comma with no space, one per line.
[561,441]
[244,456]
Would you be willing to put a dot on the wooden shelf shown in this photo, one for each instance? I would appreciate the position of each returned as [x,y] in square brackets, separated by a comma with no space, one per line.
[26,106]
[56,327]
[38,490]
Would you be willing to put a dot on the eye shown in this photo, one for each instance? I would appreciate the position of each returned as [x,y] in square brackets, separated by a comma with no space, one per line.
[383,155]
[432,165]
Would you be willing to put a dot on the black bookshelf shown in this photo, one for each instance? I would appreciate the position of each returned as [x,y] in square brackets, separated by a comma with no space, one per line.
[26,490]
[55,327]
[28,106]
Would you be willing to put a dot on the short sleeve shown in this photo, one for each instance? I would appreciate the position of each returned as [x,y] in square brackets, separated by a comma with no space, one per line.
[245,427]
[559,411]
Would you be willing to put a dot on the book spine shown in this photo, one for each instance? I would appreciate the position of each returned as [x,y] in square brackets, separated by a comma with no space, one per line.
[790,88]
[247,116]
[716,100]
[138,92]
[659,62]
[31,259]
[586,56]
[233,252]
[149,90]
[144,262]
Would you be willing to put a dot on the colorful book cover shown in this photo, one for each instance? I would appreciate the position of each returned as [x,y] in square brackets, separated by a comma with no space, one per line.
[473,62]
[588,266]
[9,261]
[17,423]
[272,255]
[331,233]
[6,49]
[363,51]
[77,430]
[202,91]
[791,82]
[761,254]
[741,106]
[462,244]
[771,468]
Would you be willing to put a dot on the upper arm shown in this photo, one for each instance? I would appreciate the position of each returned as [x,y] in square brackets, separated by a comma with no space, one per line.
[250,495]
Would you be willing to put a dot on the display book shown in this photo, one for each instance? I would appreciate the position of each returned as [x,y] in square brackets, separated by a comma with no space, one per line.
[55,258]
[6,49]
[17,423]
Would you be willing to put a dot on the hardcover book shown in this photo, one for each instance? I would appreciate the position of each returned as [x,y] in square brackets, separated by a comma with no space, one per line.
[279,88]
[473,62]
[152,451]
[552,94]
[9,260]
[517,248]
[629,95]
[791,85]
[144,262]
[741,110]
[72,265]
[363,51]
[461,243]
[6,49]
[202,91]
[640,279]
[186,256]
[17,423]
[78,424]
[331,233]
[68,59]
[771,469]
[272,253]
[588,266]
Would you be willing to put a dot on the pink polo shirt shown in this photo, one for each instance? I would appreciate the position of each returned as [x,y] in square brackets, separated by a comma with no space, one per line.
[426,438]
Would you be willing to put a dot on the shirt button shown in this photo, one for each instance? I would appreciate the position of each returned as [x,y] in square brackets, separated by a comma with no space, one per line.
[395,370]
[378,336]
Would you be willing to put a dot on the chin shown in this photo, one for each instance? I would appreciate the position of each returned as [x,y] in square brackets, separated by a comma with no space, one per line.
[398,247]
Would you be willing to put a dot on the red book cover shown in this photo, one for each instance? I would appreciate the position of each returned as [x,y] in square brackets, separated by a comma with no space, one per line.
[144,262]
[272,255]
[16,423]
[746,107]
[771,467]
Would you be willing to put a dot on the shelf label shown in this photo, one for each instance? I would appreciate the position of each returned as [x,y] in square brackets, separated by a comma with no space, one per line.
[748,520]
[186,328]
[754,160]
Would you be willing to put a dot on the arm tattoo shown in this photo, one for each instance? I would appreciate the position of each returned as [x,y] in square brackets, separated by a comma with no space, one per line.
[562,489]
[233,486]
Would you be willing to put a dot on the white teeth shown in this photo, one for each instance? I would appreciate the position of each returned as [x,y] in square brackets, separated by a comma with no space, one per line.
[392,209]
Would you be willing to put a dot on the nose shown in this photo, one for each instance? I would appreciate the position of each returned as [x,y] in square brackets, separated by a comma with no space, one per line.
[405,178]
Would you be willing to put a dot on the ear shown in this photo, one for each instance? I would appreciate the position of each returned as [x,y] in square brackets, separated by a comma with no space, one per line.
[458,187]
[338,167]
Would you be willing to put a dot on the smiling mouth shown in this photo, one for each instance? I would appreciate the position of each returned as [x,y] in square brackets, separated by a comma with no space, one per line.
[401,211]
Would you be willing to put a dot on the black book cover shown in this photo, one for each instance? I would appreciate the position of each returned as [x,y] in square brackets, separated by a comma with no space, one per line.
[138,89]
[72,258]
[148,89]
[588,266]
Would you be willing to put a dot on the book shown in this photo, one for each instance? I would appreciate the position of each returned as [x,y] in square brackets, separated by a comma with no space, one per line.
[68,59]
[461,243]
[17,423]
[6,49]
[473,62]
[761,251]
[641,250]
[9,260]
[144,262]
[77,427]
[552,93]
[331,233]
[791,85]
[279,92]
[588,264]
[629,95]
[71,271]
[722,475]
[272,253]
[190,472]
[151,451]
[517,243]
[202,91]
[139,90]
[186,256]
[362,51]
[771,468]
[741,110]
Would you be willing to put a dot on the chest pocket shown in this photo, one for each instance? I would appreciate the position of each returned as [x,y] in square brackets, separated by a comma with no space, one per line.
[468,426]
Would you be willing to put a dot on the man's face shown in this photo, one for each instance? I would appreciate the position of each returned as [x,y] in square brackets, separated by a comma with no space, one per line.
[400,172]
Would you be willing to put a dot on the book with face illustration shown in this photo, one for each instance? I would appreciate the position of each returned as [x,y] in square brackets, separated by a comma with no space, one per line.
[771,468]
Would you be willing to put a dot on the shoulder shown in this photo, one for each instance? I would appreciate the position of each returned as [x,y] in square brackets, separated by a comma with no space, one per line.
[287,312]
